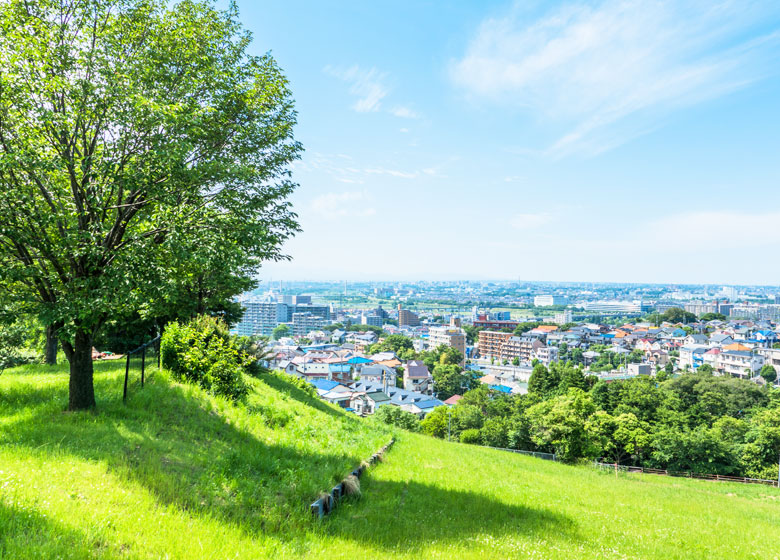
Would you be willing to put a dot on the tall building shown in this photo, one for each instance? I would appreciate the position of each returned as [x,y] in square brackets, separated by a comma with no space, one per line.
[304,323]
[451,336]
[492,342]
[261,317]
[406,318]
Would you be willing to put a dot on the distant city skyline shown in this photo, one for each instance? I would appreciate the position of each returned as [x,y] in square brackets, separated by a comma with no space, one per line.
[605,141]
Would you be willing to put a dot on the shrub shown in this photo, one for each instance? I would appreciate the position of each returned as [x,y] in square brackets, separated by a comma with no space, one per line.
[203,352]
[394,416]
[471,436]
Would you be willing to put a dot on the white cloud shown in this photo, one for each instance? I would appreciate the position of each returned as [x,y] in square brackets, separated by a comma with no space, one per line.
[403,130]
[367,85]
[592,69]
[530,221]
[348,203]
[404,113]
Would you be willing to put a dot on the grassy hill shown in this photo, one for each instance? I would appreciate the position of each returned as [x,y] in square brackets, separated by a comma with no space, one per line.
[176,473]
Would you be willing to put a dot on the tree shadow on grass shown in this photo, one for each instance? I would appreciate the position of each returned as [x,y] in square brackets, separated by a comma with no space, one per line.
[404,516]
[184,453]
[301,396]
[25,533]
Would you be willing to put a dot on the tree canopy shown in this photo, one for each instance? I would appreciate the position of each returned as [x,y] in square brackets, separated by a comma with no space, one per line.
[140,145]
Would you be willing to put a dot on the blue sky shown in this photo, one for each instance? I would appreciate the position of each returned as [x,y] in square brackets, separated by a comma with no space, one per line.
[598,141]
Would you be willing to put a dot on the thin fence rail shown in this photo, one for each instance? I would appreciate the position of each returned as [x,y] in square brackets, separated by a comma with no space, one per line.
[537,454]
[137,361]
[685,474]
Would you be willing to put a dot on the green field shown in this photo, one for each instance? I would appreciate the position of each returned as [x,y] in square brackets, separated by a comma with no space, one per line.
[176,473]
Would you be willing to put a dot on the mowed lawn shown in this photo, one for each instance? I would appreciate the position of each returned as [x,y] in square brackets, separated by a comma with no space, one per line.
[176,473]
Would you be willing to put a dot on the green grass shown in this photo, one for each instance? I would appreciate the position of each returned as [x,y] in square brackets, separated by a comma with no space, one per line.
[178,474]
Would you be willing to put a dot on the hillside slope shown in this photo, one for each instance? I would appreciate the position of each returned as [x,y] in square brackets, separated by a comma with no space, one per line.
[179,474]
[175,471]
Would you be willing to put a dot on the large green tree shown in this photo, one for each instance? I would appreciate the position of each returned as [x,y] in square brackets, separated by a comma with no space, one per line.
[131,130]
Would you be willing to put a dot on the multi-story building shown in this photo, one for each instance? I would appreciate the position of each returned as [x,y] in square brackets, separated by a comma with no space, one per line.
[484,322]
[546,354]
[261,317]
[372,320]
[546,300]
[700,307]
[771,356]
[304,323]
[739,363]
[451,336]
[407,318]
[491,343]
[506,346]
[563,317]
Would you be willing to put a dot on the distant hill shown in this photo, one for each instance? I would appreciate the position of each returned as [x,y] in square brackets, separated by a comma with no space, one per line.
[176,473]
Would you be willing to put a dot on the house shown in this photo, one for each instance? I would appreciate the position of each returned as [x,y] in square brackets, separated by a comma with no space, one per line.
[453,400]
[378,373]
[341,372]
[287,367]
[422,408]
[691,357]
[311,371]
[333,391]
[337,336]
[720,339]
[367,403]
[417,377]
[695,339]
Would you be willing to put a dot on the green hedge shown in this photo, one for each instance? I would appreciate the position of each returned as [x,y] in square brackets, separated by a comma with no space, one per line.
[204,353]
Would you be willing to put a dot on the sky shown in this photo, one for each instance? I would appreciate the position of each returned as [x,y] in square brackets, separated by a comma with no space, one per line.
[574,141]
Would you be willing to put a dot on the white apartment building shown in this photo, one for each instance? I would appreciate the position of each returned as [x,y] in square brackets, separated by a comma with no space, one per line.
[546,300]
[546,354]
[736,362]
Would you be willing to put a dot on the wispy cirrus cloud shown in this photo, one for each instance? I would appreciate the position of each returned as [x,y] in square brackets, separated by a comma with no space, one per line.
[404,112]
[368,86]
[605,72]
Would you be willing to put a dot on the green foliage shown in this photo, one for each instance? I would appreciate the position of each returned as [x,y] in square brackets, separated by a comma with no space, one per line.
[471,436]
[435,423]
[398,343]
[156,184]
[706,317]
[678,315]
[560,424]
[768,372]
[394,416]
[452,380]
[203,353]
[280,331]
[544,382]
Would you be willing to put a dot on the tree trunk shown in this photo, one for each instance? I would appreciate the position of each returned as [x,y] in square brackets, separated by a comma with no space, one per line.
[81,389]
[51,346]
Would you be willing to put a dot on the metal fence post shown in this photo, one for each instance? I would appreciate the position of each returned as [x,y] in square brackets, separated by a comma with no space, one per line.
[143,365]
[127,372]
